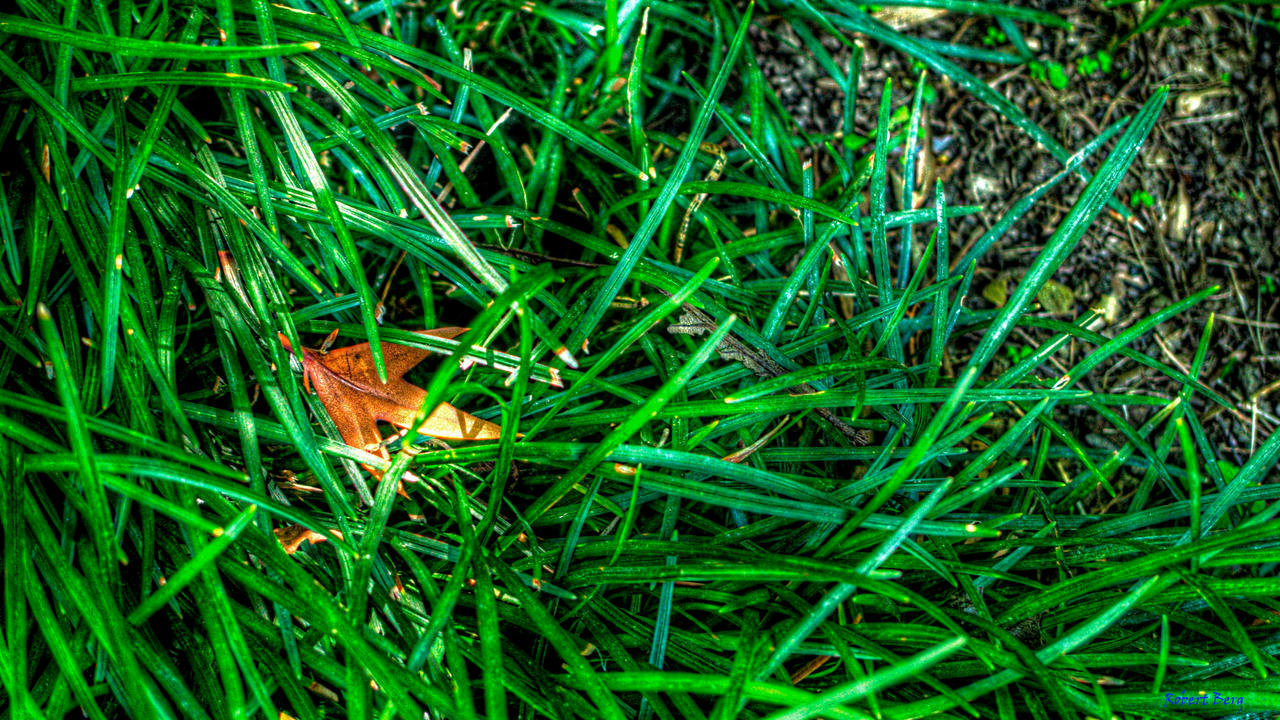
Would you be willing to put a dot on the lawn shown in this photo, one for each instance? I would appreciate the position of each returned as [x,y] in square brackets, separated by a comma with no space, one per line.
[631,360]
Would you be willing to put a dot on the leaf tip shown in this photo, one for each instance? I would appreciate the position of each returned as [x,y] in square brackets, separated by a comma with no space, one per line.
[567,357]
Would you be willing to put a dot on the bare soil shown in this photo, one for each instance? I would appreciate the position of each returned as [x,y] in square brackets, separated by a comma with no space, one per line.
[1204,192]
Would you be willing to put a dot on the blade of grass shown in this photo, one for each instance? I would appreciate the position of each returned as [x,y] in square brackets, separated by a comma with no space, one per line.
[1062,242]
[640,241]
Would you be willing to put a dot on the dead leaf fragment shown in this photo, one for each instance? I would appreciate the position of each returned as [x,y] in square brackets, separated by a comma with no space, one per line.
[694,322]
[997,291]
[901,18]
[292,537]
[1056,298]
[1109,308]
[347,384]
[324,691]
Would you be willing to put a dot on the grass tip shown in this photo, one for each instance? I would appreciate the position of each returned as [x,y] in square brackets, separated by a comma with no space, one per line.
[567,357]
[42,312]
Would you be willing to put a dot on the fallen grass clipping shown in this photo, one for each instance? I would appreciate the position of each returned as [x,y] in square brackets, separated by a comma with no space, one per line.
[745,451]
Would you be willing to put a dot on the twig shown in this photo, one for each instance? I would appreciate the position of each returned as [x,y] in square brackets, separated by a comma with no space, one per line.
[695,322]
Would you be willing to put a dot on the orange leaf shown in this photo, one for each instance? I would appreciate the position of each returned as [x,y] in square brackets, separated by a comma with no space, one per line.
[348,387]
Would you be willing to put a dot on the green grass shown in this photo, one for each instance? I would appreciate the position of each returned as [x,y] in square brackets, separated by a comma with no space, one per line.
[674,533]
[1176,14]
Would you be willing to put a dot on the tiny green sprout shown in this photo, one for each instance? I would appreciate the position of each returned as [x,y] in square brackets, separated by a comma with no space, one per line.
[1052,73]
[1269,285]
[1017,353]
[1057,76]
[1143,198]
[1225,78]
[994,37]
[1104,61]
[1090,64]
[1238,195]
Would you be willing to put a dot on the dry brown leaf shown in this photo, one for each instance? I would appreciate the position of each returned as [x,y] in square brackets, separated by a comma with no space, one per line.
[347,384]
[292,537]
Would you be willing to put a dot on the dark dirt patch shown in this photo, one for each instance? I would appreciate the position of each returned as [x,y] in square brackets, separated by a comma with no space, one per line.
[1210,171]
